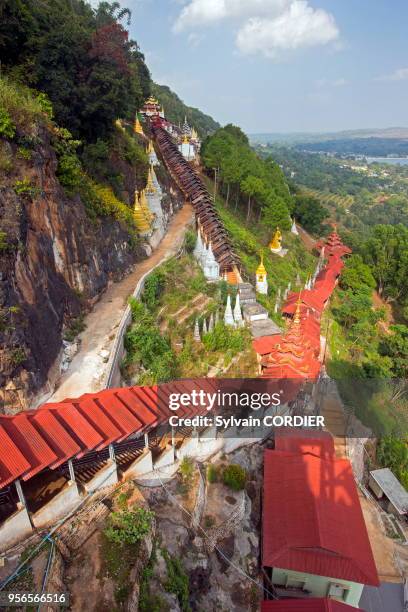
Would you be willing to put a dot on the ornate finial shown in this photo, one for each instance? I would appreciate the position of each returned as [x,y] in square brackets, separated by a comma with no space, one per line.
[137,128]
[296,318]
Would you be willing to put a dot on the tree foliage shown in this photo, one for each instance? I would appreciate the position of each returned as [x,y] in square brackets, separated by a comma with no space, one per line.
[256,184]
[82,59]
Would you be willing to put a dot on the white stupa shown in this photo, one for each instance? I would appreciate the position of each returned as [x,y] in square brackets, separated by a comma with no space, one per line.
[228,316]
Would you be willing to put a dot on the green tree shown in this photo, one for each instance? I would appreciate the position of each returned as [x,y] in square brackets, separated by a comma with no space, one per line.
[395,346]
[310,213]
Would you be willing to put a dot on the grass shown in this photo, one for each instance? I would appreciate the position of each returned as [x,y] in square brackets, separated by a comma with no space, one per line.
[118,560]
[21,104]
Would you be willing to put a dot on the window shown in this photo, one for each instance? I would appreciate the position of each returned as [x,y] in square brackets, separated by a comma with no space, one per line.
[338,591]
[295,582]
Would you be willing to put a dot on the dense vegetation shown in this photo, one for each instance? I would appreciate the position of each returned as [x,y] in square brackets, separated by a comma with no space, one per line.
[176,111]
[245,180]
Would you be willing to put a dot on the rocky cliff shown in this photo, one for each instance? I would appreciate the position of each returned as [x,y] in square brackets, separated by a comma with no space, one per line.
[54,263]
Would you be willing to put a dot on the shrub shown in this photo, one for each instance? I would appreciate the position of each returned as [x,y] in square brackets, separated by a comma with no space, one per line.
[187,469]
[4,245]
[76,326]
[6,162]
[209,521]
[190,241]
[177,581]
[153,288]
[18,356]
[24,153]
[129,526]
[7,126]
[24,187]
[20,105]
[212,473]
[234,476]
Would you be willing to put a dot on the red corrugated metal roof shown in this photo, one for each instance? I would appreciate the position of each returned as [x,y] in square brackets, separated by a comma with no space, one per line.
[315,442]
[77,426]
[312,518]
[94,413]
[57,438]
[31,444]
[312,604]
[13,464]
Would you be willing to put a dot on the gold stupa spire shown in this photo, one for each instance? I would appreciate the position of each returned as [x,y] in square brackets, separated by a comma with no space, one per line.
[143,226]
[261,270]
[276,242]
[296,318]
[137,128]
[185,139]
[145,207]
[150,188]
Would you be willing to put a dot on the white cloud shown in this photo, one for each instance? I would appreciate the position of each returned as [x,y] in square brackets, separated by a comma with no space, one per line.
[401,74]
[299,26]
[204,12]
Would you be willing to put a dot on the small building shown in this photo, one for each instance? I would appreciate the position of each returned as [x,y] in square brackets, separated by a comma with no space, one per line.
[314,538]
[254,312]
[383,483]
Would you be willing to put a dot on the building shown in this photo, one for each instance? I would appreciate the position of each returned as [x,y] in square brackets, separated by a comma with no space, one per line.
[314,538]
[386,486]
[152,108]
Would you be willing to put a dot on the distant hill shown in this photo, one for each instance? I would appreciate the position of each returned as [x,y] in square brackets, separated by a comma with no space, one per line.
[400,133]
[176,110]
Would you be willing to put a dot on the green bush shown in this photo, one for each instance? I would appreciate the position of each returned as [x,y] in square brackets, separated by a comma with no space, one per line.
[177,581]
[18,104]
[153,288]
[4,245]
[75,327]
[129,526]
[190,241]
[212,473]
[7,126]
[24,187]
[234,476]
[187,469]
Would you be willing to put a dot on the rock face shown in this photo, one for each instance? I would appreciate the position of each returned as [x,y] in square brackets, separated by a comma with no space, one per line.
[56,262]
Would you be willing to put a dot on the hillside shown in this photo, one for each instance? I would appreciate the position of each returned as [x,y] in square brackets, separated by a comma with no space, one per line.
[176,111]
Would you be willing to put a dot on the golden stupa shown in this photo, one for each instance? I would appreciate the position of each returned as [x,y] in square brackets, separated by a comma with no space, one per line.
[150,188]
[185,139]
[142,224]
[261,271]
[275,244]
[145,207]
[137,128]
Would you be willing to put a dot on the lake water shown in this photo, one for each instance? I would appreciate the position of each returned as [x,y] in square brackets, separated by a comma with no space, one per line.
[402,161]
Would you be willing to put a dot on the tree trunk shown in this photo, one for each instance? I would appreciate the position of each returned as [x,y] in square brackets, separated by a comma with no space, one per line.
[228,194]
[249,208]
[236,199]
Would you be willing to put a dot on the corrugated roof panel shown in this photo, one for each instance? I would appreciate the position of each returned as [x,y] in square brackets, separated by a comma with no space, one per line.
[13,464]
[77,426]
[56,436]
[30,443]
[331,538]
[115,404]
[100,421]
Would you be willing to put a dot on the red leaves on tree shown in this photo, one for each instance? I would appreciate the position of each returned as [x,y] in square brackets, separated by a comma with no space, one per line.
[110,43]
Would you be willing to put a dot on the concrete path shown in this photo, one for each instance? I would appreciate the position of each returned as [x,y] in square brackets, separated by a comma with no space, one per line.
[86,371]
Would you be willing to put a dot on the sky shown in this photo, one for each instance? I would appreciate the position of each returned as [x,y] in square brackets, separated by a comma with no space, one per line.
[281,65]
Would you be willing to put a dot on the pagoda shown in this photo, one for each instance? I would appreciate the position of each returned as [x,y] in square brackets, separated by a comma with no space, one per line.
[145,207]
[151,107]
[275,244]
[261,282]
[151,153]
[293,356]
[141,222]
[137,127]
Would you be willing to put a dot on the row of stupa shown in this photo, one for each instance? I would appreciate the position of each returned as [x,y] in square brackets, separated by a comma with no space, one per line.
[204,255]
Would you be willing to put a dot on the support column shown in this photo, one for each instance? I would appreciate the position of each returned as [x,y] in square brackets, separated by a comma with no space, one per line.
[146,440]
[20,493]
[71,471]
[112,455]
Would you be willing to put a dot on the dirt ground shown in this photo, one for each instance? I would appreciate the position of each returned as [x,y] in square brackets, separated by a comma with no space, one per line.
[86,371]
[383,547]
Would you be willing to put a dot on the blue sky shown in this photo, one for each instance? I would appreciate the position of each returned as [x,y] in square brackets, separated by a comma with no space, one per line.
[281,65]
